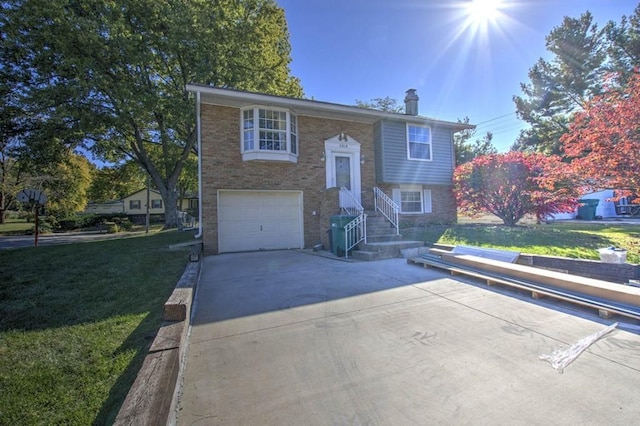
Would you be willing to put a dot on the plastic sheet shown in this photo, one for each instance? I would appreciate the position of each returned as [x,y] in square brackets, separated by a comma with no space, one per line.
[561,358]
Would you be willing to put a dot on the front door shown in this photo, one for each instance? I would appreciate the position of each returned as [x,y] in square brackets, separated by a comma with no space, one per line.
[343,164]
[343,171]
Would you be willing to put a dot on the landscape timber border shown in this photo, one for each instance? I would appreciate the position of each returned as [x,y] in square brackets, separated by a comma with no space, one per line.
[152,397]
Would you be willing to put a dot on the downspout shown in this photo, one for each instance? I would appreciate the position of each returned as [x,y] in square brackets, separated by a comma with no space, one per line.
[199,140]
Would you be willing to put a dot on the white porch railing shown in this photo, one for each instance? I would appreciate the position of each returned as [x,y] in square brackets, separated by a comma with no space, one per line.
[349,203]
[186,221]
[354,232]
[387,207]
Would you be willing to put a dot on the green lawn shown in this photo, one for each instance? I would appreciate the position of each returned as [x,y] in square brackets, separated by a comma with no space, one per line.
[566,239]
[15,227]
[75,323]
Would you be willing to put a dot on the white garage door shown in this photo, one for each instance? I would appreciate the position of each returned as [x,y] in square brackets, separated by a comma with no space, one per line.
[253,220]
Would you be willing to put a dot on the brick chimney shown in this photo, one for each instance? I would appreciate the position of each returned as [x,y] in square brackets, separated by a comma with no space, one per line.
[411,102]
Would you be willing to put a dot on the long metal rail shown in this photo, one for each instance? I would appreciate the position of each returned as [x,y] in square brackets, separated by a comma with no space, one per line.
[603,306]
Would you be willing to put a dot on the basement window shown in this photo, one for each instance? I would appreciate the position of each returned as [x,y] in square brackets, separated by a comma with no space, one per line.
[412,199]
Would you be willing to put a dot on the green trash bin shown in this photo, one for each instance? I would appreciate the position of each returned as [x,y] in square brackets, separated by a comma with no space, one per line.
[338,223]
[587,209]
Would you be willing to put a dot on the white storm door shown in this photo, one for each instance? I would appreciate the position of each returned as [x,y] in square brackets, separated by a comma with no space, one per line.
[343,165]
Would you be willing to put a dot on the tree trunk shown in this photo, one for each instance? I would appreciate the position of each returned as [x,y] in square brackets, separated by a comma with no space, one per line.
[170,209]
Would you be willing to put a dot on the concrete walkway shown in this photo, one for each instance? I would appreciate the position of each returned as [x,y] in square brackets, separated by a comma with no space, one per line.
[287,338]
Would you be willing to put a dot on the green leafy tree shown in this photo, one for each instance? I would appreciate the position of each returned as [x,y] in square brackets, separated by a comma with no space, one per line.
[467,148]
[561,86]
[65,183]
[188,181]
[116,182]
[386,104]
[112,75]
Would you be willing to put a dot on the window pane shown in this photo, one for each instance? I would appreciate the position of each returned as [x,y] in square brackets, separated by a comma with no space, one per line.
[248,132]
[418,150]
[294,134]
[273,141]
[419,142]
[411,202]
[269,130]
[248,140]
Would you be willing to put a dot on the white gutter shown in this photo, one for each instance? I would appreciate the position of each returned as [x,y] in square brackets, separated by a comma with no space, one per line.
[199,139]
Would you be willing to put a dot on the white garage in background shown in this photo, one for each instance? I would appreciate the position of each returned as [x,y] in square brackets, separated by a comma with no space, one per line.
[259,220]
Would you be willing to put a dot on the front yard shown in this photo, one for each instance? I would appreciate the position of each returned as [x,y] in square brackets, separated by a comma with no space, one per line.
[565,239]
[75,323]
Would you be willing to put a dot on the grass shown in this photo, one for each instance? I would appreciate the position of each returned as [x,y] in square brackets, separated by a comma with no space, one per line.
[75,323]
[15,227]
[566,239]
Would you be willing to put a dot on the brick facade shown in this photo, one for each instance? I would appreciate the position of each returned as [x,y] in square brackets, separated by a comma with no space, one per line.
[223,168]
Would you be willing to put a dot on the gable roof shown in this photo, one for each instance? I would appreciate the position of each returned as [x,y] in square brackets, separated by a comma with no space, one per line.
[140,190]
[306,107]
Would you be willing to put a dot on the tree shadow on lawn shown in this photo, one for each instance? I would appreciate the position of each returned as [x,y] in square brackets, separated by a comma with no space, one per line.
[108,286]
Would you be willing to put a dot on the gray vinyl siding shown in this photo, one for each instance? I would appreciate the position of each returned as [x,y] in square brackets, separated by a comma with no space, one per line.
[393,166]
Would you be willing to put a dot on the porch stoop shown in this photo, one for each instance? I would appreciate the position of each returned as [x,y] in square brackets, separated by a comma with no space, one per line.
[382,240]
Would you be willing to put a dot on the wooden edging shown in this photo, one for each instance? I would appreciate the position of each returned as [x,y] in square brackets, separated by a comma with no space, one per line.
[150,399]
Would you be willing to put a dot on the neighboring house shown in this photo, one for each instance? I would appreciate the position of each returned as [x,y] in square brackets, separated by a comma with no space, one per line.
[189,204]
[108,207]
[606,208]
[136,203]
[271,166]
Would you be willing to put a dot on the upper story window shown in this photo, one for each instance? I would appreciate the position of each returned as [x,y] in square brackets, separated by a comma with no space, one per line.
[418,142]
[269,134]
[134,204]
[156,204]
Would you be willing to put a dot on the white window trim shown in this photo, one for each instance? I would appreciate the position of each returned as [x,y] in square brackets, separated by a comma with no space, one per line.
[425,198]
[268,155]
[409,157]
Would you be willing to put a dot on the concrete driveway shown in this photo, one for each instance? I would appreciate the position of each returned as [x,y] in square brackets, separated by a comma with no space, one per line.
[288,338]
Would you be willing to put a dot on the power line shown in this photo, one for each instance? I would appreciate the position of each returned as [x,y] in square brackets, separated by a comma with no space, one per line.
[495,118]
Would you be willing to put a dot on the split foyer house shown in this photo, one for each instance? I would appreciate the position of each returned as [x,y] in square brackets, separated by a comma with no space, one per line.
[274,170]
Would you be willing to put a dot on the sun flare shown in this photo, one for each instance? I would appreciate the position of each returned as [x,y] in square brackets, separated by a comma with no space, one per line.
[483,11]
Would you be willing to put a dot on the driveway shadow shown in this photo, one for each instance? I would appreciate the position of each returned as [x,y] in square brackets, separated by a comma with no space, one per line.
[244,284]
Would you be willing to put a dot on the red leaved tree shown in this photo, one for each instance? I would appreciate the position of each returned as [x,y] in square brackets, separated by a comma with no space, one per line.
[514,184]
[604,139]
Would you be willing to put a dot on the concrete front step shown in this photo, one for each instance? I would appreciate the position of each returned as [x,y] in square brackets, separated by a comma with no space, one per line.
[383,250]
[382,237]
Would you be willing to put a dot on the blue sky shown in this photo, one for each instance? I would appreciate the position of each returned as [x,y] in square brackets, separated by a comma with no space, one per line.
[345,50]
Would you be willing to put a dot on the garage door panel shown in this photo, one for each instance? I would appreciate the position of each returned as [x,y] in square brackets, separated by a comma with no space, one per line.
[254,220]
